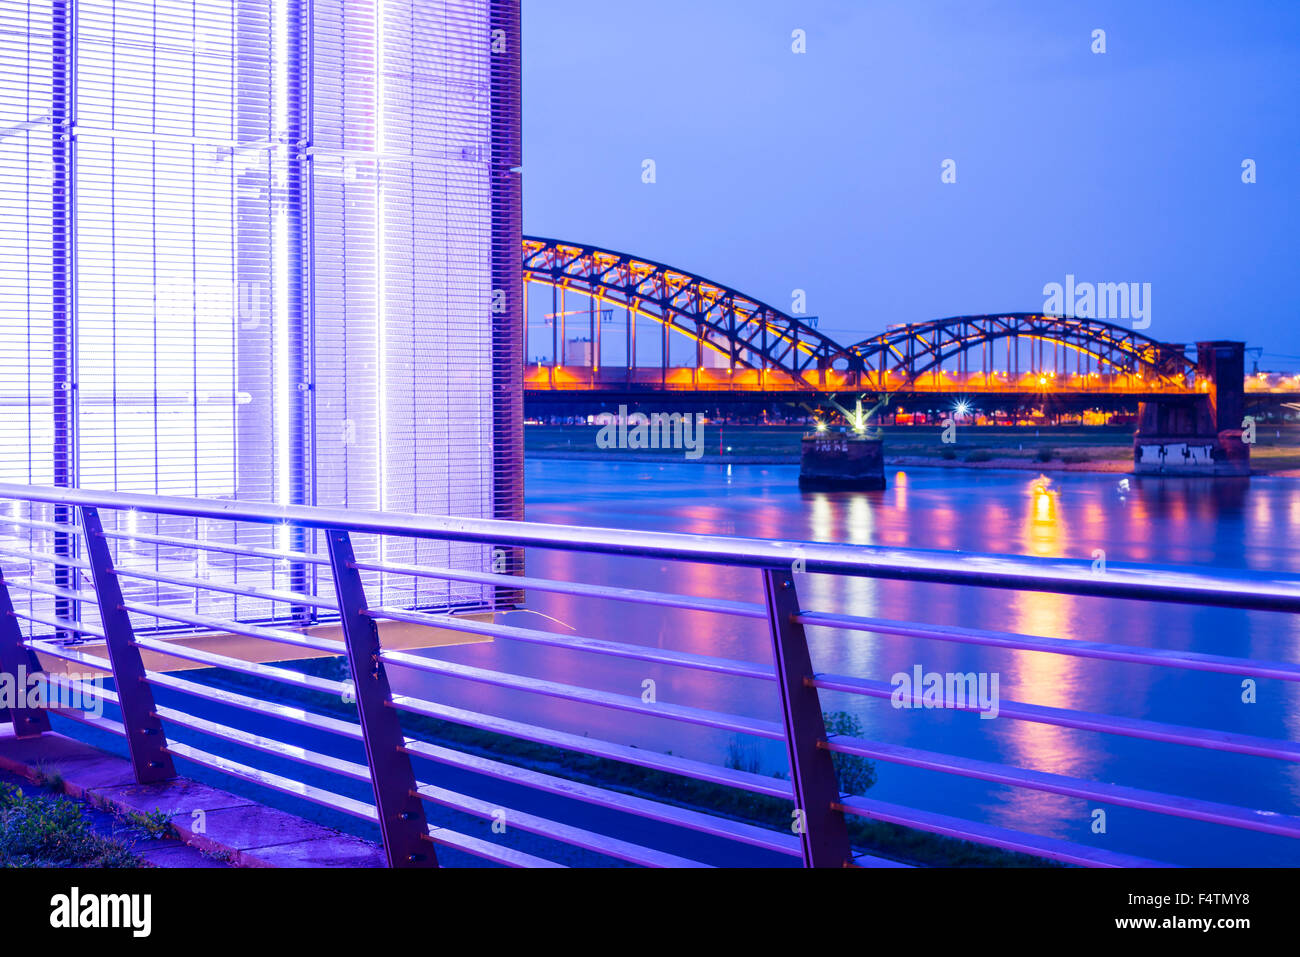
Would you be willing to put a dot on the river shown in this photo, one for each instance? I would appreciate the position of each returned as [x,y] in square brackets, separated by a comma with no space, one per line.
[1232,524]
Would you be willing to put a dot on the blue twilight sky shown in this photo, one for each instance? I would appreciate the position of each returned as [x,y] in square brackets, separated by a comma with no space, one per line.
[821,171]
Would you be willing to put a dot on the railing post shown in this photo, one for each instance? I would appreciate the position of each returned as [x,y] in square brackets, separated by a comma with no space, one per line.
[18,662]
[821,828]
[401,812]
[144,731]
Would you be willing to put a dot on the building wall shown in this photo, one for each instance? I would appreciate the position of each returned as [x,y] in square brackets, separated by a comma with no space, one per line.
[251,248]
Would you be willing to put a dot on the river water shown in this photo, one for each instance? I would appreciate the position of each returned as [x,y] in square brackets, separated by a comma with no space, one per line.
[1235,524]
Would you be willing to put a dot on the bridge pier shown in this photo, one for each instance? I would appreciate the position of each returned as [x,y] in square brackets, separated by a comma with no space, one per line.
[1201,433]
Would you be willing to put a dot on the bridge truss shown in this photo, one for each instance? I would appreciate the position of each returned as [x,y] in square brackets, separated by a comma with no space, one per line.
[765,349]
[966,346]
[750,333]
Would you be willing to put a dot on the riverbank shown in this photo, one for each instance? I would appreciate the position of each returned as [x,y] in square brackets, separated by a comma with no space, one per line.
[1067,449]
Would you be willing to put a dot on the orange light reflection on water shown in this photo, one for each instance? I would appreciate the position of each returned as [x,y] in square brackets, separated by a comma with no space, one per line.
[1038,678]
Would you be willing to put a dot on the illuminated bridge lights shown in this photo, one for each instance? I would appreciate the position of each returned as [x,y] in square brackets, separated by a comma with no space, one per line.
[767,350]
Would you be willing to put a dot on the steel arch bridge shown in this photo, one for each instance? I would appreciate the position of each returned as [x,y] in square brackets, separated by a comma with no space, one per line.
[906,356]
[743,344]
[754,337]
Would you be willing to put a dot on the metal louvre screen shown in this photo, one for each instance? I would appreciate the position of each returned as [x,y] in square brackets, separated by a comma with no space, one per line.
[402,245]
[250,253]
[27,235]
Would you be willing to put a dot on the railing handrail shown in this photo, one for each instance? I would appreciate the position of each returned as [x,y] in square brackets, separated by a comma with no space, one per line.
[1151,582]
[820,834]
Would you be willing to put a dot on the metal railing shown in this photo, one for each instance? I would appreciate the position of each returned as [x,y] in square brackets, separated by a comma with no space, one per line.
[78,601]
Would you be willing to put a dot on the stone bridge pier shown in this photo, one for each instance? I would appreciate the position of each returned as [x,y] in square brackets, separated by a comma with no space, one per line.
[1201,433]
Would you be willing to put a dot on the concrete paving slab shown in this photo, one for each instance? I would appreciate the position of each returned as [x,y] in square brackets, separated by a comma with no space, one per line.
[341,850]
[242,828]
[49,749]
[83,778]
[182,855]
[174,798]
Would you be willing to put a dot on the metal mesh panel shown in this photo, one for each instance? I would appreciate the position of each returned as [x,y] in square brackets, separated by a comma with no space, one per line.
[250,251]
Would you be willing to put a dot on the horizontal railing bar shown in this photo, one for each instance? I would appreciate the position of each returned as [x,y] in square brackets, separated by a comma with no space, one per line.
[37,523]
[555,785]
[1064,576]
[239,628]
[77,714]
[863,859]
[34,556]
[662,656]
[292,714]
[248,591]
[497,853]
[79,685]
[640,757]
[285,675]
[234,699]
[285,785]
[1268,822]
[555,830]
[347,805]
[91,720]
[990,835]
[1088,721]
[614,800]
[1188,660]
[69,653]
[603,699]
[252,551]
[639,596]
[275,782]
[271,746]
[51,590]
[60,624]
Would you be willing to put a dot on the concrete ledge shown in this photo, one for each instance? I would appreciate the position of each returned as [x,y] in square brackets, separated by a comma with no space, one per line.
[238,829]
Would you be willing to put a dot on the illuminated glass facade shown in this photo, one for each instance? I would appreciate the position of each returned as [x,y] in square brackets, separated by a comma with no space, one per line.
[251,249]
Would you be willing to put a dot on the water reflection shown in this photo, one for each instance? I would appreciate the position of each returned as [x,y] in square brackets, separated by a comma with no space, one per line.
[1230,524]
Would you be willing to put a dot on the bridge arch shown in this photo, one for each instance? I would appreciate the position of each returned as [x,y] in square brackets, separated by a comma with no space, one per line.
[903,354]
[767,349]
[751,333]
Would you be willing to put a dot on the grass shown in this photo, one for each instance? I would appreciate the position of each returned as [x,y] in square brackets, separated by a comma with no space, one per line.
[51,780]
[50,830]
[155,824]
